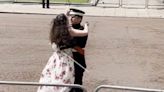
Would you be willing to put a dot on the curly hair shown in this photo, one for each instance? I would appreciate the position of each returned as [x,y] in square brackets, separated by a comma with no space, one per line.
[59,33]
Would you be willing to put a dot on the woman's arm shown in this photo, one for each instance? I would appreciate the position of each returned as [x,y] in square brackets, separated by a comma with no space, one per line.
[76,32]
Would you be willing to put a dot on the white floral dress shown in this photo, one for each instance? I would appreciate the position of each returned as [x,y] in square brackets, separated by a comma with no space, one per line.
[59,70]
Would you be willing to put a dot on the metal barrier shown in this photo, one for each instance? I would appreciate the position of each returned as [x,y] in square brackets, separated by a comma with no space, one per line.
[142,6]
[109,4]
[146,4]
[41,84]
[95,2]
[126,88]
[150,6]
[120,3]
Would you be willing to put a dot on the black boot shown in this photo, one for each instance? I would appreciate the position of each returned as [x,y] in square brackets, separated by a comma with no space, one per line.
[48,4]
[43,3]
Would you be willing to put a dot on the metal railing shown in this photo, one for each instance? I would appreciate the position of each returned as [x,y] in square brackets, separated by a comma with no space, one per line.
[106,4]
[126,88]
[80,87]
[121,4]
[134,5]
[145,5]
[149,5]
[42,84]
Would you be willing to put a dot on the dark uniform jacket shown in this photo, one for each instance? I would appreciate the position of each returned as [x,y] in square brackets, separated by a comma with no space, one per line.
[81,42]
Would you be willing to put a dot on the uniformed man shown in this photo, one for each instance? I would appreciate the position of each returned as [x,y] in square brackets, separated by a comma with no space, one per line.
[76,19]
[45,2]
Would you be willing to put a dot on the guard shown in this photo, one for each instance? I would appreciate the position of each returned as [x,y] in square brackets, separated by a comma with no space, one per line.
[76,19]
[45,2]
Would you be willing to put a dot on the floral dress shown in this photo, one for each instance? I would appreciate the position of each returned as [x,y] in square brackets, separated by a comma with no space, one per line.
[59,70]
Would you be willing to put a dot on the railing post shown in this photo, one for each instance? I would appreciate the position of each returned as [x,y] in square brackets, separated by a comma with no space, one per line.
[120,3]
[146,4]
[95,2]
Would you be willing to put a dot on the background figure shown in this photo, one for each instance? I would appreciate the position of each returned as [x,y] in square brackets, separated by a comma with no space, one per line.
[76,18]
[45,2]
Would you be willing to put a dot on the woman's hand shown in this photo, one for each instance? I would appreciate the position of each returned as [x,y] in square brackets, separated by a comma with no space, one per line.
[69,21]
[86,23]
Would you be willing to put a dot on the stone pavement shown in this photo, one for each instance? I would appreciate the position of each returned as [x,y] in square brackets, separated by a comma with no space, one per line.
[29,8]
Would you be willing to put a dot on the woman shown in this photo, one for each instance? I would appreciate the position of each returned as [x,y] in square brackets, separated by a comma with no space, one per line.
[60,68]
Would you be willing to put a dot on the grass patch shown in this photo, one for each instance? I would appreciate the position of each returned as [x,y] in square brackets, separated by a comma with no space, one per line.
[57,1]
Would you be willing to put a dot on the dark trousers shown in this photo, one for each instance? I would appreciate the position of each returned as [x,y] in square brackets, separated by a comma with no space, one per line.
[78,70]
[45,2]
